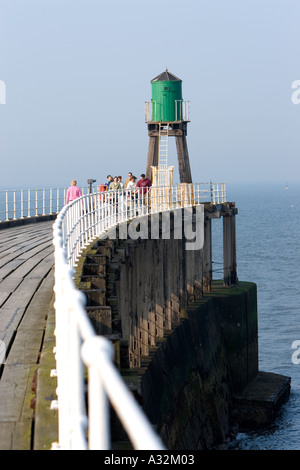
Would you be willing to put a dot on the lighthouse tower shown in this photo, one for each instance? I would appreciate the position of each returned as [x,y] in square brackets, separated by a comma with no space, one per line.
[167,116]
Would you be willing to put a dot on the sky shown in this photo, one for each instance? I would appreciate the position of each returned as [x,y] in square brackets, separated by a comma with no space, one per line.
[75,75]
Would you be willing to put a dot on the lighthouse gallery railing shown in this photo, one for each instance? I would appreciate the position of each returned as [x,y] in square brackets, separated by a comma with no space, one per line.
[77,346]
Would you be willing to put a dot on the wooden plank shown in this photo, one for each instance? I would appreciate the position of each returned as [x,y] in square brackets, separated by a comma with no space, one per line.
[37,311]
[7,336]
[46,420]
[42,268]
[13,385]
[27,342]
[7,431]
[10,267]
[10,318]
[7,287]
[21,439]
[16,413]
[26,347]
[13,310]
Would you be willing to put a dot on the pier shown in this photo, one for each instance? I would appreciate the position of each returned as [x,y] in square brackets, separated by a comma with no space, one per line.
[142,326]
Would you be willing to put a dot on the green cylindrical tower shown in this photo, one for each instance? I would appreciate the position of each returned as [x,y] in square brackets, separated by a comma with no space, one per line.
[166,98]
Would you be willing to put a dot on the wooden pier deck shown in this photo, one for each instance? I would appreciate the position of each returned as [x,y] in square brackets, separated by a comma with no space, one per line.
[26,295]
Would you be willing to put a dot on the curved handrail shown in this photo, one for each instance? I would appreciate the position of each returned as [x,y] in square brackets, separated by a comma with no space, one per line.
[77,346]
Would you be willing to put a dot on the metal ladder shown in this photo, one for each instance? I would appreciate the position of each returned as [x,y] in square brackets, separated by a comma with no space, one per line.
[163,147]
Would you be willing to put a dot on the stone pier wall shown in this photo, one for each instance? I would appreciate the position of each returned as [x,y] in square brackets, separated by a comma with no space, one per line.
[190,386]
[186,346]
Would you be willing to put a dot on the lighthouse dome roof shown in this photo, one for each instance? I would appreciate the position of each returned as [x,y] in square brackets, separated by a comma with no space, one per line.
[166,76]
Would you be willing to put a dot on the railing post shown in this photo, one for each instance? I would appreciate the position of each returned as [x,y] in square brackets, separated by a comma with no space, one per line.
[22,202]
[50,202]
[43,201]
[6,204]
[224,193]
[14,193]
[28,203]
[57,200]
[36,202]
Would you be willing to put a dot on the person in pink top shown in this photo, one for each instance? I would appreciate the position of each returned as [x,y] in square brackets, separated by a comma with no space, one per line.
[73,192]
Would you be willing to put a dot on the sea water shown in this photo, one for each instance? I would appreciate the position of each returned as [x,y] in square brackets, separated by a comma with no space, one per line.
[268,253]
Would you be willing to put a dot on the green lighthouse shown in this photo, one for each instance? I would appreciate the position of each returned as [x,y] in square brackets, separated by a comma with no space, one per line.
[167,115]
[166,98]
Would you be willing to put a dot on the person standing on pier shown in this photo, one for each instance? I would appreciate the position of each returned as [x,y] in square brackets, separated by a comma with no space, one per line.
[127,181]
[73,192]
[144,184]
[143,187]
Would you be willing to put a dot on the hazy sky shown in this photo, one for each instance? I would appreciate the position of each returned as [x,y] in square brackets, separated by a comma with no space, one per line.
[77,75]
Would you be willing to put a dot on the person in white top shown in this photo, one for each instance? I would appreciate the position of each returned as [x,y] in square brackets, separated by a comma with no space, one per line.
[131,195]
[132,184]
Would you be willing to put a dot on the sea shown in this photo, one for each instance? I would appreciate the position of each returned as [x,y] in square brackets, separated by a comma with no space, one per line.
[268,254]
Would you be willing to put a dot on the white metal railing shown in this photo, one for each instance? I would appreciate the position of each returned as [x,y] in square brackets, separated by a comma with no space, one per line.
[77,346]
[22,203]
[182,110]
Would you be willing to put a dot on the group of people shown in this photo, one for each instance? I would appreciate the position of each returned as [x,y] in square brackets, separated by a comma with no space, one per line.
[139,188]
